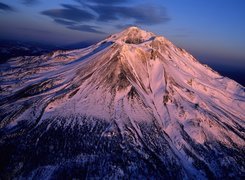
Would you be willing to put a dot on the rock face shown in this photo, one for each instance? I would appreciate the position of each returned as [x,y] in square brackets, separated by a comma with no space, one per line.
[132,106]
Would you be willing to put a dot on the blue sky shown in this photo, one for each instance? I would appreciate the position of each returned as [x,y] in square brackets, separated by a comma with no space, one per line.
[213,29]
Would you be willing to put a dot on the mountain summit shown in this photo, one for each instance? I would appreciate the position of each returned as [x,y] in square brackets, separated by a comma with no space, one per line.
[131,106]
[133,35]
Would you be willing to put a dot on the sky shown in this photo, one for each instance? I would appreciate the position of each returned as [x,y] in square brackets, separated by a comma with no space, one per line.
[212,30]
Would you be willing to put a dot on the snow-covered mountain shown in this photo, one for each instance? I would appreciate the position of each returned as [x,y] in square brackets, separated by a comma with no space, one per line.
[132,106]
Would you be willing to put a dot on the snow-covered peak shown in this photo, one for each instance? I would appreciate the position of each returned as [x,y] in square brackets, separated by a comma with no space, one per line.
[134,29]
[131,28]
[132,35]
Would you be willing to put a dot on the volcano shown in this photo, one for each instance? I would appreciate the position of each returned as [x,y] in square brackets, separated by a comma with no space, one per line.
[132,106]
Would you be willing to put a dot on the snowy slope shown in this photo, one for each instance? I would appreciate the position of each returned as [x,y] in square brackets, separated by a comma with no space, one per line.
[132,106]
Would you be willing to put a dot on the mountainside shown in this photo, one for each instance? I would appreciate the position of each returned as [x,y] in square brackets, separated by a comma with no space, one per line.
[131,106]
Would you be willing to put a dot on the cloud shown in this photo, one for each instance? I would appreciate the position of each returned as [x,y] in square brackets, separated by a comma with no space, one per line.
[112,10]
[71,16]
[30,2]
[95,11]
[109,2]
[69,12]
[124,26]
[5,7]
[64,22]
[86,28]
[141,14]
